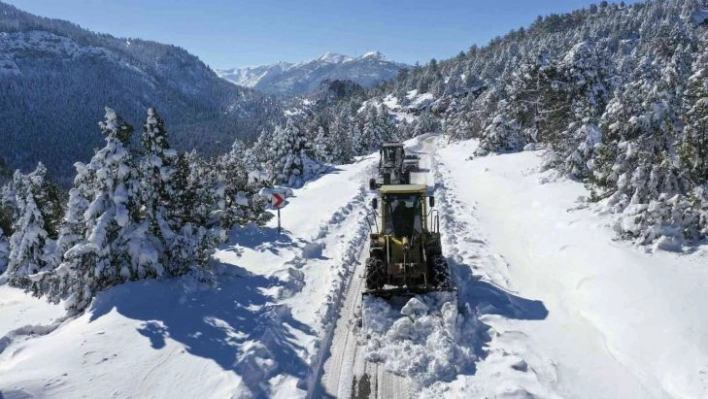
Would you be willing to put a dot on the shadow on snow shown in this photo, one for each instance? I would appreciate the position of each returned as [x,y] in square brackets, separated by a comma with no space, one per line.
[233,322]
[478,298]
[259,239]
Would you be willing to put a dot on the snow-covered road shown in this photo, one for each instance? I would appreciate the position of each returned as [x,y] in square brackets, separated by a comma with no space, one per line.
[550,305]
[347,373]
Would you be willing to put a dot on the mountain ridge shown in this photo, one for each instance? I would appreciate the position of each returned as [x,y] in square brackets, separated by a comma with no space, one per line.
[286,78]
[56,77]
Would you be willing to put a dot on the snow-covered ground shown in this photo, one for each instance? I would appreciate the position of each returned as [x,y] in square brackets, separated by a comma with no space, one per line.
[584,316]
[548,305]
[254,335]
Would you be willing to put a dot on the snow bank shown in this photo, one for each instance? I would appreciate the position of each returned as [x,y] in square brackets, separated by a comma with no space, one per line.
[424,339]
[18,309]
[620,322]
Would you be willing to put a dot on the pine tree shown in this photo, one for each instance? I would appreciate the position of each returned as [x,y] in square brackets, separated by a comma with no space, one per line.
[8,206]
[32,250]
[373,133]
[694,150]
[155,171]
[4,252]
[585,75]
[242,204]
[196,214]
[114,246]
[321,148]
[355,132]
[74,226]
[287,165]
[425,123]
[502,135]
[258,155]
[340,141]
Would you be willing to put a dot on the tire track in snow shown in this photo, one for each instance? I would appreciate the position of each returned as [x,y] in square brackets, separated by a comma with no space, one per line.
[347,267]
[340,369]
[339,304]
[257,362]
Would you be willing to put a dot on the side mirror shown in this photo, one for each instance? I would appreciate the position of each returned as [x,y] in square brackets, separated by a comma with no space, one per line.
[431,199]
[375,203]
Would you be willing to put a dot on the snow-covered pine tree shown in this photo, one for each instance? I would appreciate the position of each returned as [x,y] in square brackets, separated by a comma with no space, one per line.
[340,141]
[321,148]
[526,94]
[114,246]
[615,154]
[7,211]
[502,135]
[257,156]
[195,214]
[373,133]
[694,148]
[637,163]
[8,206]
[4,253]
[242,202]
[156,168]
[57,284]
[32,250]
[464,123]
[405,130]
[385,123]
[355,132]
[287,165]
[585,75]
[425,123]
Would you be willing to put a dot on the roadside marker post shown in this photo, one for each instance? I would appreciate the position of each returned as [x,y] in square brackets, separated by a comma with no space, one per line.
[276,198]
[278,201]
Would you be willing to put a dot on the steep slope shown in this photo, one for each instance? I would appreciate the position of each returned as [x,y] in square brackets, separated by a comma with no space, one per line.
[292,79]
[56,78]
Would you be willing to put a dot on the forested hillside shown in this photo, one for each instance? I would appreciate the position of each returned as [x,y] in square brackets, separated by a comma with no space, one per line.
[616,95]
[55,79]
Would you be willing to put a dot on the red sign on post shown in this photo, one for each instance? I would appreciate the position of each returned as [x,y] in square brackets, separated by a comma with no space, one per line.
[278,201]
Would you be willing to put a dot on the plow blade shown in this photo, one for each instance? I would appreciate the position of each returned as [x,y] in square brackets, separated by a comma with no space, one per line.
[388,293]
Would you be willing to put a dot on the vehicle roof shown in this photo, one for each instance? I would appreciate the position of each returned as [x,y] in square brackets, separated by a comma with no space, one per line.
[403,189]
[393,144]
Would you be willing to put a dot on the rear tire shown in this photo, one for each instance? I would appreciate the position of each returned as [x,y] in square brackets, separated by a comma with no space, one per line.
[375,274]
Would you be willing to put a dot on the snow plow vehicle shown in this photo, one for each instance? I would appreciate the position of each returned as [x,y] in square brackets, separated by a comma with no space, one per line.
[405,255]
[395,166]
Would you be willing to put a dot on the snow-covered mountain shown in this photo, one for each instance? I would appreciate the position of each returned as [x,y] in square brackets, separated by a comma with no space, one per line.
[55,79]
[285,78]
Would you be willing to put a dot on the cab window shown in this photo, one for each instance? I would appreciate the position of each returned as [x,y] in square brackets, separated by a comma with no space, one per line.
[404,216]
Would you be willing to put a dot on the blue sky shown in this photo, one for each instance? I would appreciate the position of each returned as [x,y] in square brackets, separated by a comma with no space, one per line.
[229,33]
